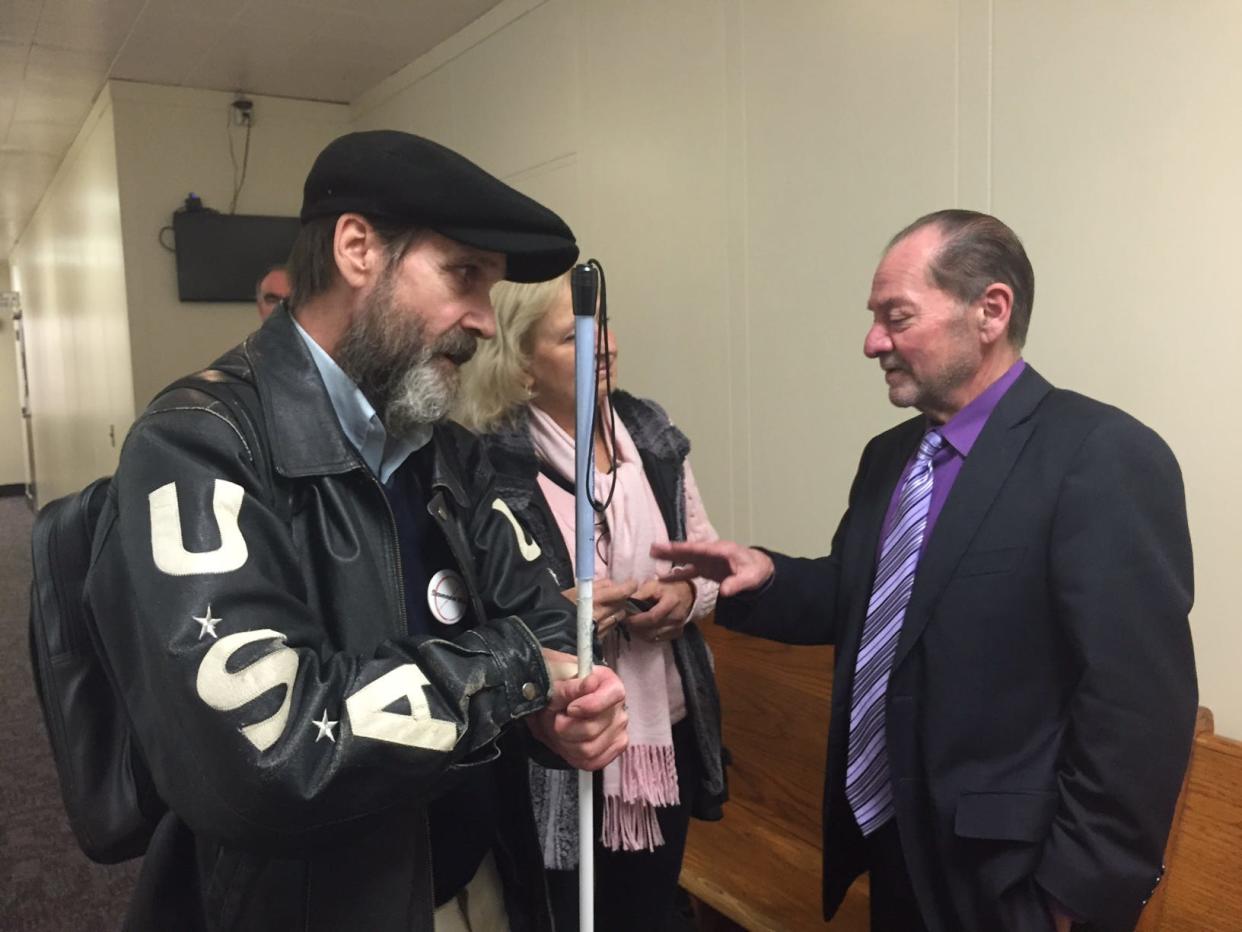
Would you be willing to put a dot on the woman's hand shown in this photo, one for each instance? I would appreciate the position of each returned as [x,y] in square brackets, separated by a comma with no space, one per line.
[665,620]
[609,601]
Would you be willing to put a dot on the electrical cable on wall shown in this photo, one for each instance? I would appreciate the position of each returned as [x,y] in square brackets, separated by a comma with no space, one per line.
[241,110]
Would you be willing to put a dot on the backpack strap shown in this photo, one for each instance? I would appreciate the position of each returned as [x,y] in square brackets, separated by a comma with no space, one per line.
[241,399]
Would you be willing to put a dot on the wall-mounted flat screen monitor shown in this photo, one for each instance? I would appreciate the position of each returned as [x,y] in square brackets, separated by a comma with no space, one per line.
[221,256]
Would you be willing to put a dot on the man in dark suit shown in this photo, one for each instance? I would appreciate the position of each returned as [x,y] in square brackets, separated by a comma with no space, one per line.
[1014,694]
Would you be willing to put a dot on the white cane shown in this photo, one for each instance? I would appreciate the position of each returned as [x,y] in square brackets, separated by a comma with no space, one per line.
[583,287]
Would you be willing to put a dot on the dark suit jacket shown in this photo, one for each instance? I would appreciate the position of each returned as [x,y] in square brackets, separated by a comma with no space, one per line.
[1042,699]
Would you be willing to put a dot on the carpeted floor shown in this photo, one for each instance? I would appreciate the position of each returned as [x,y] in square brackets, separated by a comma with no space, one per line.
[46,883]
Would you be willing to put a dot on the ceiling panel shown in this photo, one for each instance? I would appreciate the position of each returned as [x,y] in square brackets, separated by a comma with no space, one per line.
[41,137]
[18,20]
[87,25]
[259,48]
[56,55]
[57,70]
[167,43]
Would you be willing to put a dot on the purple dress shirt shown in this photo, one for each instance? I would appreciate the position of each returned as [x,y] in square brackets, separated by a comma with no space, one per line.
[960,434]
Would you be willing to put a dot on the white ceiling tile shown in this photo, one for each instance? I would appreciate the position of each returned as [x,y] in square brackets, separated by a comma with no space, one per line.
[85,36]
[219,10]
[47,138]
[256,52]
[300,9]
[164,51]
[52,107]
[153,61]
[294,21]
[68,62]
[172,32]
[18,19]
[13,51]
[94,9]
[92,25]
[11,74]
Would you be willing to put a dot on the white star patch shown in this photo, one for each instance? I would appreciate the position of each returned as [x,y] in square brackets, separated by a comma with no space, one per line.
[325,728]
[207,624]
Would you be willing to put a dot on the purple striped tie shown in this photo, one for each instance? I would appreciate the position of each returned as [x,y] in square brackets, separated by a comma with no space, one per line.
[867,784]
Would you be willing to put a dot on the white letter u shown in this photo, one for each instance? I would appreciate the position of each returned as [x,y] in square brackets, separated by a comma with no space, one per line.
[168,548]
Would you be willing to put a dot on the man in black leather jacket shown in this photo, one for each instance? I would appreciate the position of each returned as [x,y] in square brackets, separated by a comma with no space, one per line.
[325,624]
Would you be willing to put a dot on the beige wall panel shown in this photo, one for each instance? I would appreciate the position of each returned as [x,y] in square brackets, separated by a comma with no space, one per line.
[520,85]
[557,184]
[850,133]
[12,431]
[171,141]
[69,267]
[425,106]
[500,103]
[1116,141]
[653,168]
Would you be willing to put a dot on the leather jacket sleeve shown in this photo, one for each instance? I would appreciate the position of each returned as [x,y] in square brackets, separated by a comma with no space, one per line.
[258,729]
[513,577]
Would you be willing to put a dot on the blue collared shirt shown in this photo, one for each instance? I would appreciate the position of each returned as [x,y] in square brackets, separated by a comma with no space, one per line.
[362,426]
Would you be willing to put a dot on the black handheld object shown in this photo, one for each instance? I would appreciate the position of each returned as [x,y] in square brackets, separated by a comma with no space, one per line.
[583,286]
[635,606]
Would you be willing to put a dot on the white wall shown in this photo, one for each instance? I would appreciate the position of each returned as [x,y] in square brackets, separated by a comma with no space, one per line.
[738,166]
[1116,157]
[169,142]
[13,452]
[69,267]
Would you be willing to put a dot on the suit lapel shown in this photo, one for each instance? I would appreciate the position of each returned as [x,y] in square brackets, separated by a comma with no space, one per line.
[983,474]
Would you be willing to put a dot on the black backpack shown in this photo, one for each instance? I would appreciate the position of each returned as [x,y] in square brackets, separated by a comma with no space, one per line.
[109,795]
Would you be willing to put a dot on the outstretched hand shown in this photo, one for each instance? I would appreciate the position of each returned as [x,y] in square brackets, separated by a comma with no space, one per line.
[585,722]
[736,568]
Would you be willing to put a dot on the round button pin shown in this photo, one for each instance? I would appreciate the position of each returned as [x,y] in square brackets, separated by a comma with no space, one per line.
[447,597]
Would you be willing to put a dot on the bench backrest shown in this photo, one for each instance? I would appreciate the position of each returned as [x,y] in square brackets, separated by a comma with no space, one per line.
[760,866]
[1201,889]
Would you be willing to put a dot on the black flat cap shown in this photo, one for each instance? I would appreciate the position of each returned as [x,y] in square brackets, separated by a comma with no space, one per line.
[399,176]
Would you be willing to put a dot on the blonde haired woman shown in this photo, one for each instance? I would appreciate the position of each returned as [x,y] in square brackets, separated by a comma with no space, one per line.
[518,392]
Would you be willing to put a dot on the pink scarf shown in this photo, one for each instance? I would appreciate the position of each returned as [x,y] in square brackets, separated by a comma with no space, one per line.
[645,775]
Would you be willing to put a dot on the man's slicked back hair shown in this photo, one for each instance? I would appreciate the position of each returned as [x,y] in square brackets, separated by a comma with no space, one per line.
[977,251]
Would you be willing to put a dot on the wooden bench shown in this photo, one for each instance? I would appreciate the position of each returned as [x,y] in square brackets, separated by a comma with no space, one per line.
[759,868]
[1202,886]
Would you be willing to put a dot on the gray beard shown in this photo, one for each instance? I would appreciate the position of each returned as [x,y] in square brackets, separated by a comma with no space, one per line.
[387,356]
[424,396]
